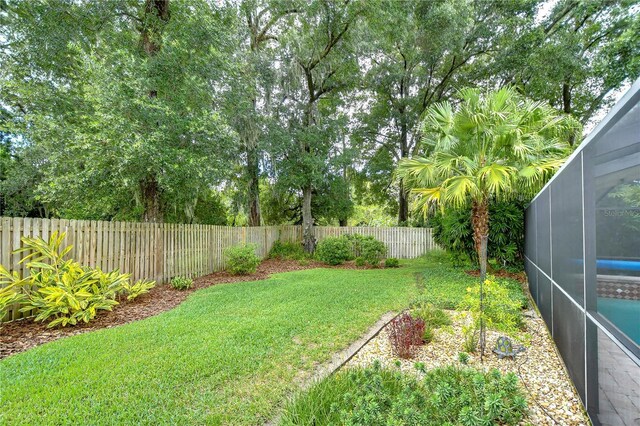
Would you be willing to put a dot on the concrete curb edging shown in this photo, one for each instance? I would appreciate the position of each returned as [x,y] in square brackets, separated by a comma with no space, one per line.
[341,358]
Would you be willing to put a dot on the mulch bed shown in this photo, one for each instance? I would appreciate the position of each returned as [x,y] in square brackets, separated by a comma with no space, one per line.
[18,336]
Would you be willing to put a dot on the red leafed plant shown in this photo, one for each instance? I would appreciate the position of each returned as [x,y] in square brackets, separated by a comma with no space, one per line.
[406,335]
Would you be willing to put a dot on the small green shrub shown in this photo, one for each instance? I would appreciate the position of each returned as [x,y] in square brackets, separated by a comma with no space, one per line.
[427,335]
[502,310]
[445,396]
[242,259]
[434,317]
[181,283]
[391,262]
[463,357]
[360,262]
[287,251]
[139,288]
[471,336]
[333,250]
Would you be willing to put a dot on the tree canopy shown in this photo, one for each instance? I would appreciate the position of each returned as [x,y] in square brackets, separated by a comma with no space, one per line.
[272,111]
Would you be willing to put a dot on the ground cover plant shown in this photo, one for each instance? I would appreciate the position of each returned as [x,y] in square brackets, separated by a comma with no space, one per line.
[444,396]
[444,285]
[181,283]
[229,354]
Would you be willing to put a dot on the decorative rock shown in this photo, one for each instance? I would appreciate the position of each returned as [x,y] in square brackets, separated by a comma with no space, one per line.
[539,368]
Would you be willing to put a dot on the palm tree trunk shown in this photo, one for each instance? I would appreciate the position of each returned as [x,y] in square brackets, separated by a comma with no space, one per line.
[480,223]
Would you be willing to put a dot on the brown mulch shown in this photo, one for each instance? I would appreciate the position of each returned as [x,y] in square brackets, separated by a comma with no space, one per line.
[518,276]
[18,336]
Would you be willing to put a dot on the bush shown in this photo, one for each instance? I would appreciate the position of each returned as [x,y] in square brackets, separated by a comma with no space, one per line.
[373,251]
[360,261]
[63,290]
[432,316]
[375,396]
[287,251]
[452,231]
[181,283]
[242,259]
[367,247]
[391,262]
[502,310]
[406,334]
[334,250]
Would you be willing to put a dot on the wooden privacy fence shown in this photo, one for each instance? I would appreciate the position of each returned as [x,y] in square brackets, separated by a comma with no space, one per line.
[161,251]
[403,243]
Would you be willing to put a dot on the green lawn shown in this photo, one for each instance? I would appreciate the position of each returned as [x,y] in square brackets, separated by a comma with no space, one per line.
[230,354]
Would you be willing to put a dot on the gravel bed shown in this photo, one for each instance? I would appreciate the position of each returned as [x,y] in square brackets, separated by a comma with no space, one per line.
[548,388]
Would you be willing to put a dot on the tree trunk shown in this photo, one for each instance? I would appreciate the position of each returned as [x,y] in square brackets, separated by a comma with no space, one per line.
[403,202]
[309,240]
[403,206]
[156,15]
[150,191]
[254,185]
[566,105]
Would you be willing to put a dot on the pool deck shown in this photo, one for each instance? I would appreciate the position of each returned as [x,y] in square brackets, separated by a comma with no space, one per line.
[619,385]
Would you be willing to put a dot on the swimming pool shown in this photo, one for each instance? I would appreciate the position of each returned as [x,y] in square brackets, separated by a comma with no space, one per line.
[624,314]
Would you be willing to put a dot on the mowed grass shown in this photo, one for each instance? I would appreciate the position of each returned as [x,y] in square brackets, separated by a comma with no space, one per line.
[230,354]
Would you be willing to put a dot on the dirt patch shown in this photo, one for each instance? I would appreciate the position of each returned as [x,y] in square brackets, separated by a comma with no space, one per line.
[18,336]
[518,276]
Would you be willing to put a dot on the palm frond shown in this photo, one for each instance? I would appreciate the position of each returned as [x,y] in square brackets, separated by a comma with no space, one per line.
[497,178]
[457,189]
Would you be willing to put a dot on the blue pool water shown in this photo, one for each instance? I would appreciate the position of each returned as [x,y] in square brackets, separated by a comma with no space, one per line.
[624,314]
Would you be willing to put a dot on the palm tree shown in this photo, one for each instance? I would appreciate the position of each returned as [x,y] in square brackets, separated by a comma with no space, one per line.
[497,145]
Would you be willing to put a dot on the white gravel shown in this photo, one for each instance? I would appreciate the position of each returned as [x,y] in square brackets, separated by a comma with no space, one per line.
[541,371]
